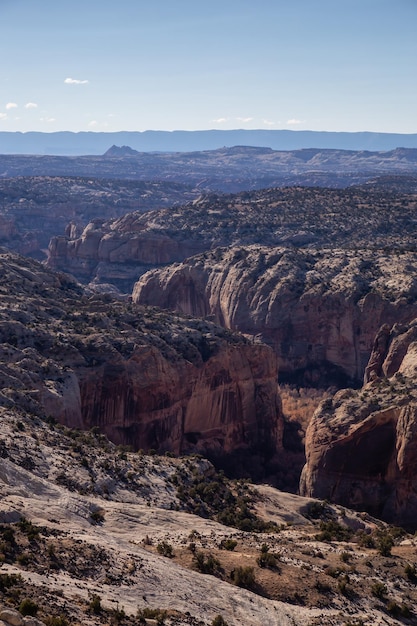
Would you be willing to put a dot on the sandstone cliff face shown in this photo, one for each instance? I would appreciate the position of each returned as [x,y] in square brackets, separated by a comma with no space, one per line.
[146,378]
[228,403]
[361,445]
[115,252]
[319,311]
[35,208]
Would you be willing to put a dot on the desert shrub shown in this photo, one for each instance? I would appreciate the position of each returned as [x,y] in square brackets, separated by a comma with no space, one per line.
[411,572]
[343,585]
[28,607]
[228,544]
[23,559]
[97,517]
[243,577]
[266,558]
[384,544]
[314,510]
[365,540]
[147,613]
[7,534]
[322,587]
[165,549]
[10,580]
[398,610]
[219,621]
[379,590]
[95,604]
[59,620]
[118,614]
[333,531]
[345,557]
[207,564]
[29,529]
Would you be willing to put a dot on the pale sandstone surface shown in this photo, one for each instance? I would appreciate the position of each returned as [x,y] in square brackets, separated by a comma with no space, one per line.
[141,510]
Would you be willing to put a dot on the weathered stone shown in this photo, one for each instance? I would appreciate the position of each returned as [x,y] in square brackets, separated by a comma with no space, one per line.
[146,378]
[11,617]
[319,311]
[361,446]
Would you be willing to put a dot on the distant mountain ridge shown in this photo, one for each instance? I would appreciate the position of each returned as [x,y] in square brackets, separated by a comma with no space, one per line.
[68,143]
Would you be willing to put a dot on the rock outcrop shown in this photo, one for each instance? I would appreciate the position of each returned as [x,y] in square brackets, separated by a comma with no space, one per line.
[119,251]
[361,446]
[33,209]
[145,378]
[116,252]
[318,310]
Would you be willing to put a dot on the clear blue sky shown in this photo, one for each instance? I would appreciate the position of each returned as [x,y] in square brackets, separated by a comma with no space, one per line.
[335,65]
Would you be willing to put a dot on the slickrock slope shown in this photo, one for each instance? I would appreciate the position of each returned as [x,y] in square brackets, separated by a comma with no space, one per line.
[92,534]
[319,310]
[119,251]
[361,445]
[146,378]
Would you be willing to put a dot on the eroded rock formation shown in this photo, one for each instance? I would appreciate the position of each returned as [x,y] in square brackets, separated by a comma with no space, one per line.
[116,252]
[146,378]
[361,446]
[318,310]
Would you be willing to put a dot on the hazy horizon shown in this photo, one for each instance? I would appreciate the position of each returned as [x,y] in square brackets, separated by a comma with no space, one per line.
[274,64]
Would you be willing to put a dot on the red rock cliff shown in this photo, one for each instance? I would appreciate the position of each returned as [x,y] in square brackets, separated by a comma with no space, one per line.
[361,446]
[319,311]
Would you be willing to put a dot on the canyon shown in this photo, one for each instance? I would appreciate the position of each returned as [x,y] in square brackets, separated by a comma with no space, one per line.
[318,310]
[360,444]
[145,378]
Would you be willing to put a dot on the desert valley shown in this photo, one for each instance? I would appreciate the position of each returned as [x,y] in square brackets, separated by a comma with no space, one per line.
[209,387]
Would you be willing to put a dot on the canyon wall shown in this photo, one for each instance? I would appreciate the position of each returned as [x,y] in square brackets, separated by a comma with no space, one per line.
[225,404]
[145,378]
[361,446]
[115,252]
[318,310]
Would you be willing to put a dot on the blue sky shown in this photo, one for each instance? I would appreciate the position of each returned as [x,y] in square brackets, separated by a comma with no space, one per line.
[335,65]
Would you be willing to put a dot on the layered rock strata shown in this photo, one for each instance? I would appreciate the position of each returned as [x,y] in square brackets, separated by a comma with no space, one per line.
[115,252]
[145,378]
[318,310]
[361,445]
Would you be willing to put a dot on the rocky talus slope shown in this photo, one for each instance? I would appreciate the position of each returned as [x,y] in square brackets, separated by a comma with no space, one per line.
[361,445]
[318,310]
[144,377]
[118,251]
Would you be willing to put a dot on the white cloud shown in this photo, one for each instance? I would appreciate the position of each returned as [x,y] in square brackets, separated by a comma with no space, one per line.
[220,120]
[3,116]
[269,123]
[294,122]
[245,120]
[75,81]
[93,123]
[31,105]
[11,105]
[47,119]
